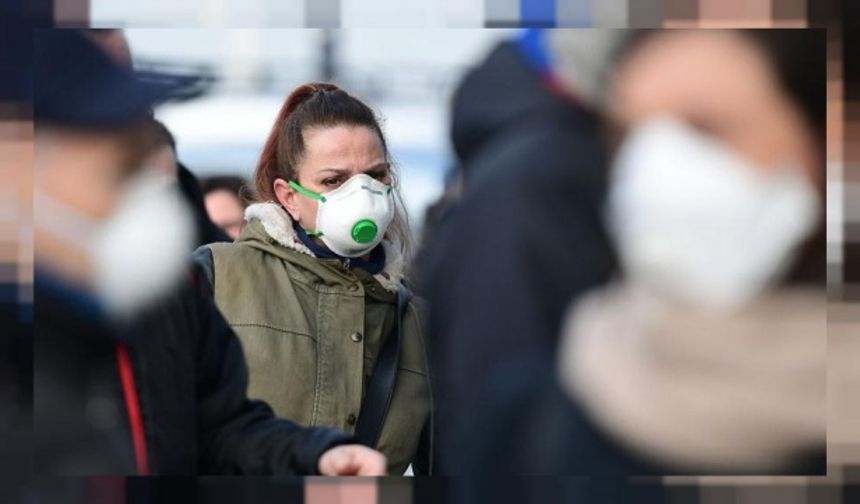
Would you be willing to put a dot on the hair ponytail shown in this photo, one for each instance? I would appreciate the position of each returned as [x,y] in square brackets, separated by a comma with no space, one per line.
[320,105]
[268,168]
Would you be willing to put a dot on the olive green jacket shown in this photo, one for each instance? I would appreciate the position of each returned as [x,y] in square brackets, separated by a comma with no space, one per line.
[311,330]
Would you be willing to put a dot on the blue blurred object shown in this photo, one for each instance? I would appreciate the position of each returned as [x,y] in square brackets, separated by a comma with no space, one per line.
[532,46]
[537,13]
[75,83]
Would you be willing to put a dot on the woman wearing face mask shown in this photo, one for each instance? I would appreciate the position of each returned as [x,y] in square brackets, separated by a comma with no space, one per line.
[708,355]
[314,285]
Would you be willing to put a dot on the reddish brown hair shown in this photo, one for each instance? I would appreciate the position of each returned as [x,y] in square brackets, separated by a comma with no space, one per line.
[310,105]
[320,105]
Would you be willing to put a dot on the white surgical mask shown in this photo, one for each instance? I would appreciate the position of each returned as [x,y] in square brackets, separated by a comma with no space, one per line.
[352,219]
[695,221]
[138,252]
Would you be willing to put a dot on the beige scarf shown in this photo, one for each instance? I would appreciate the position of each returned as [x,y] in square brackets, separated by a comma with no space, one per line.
[694,388]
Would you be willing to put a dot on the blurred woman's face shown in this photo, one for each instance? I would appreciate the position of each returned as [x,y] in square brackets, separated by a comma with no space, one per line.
[722,85]
[713,185]
[332,156]
[225,211]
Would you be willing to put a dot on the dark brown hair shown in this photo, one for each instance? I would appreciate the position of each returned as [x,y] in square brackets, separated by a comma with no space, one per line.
[230,183]
[321,105]
[158,135]
[312,105]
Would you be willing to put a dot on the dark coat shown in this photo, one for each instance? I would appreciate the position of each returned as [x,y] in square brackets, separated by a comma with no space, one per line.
[502,265]
[190,376]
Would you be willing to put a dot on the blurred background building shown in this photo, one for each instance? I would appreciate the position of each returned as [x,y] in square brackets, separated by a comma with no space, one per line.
[406,75]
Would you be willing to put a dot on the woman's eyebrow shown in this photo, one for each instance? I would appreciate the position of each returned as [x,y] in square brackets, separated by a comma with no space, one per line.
[378,166]
[344,171]
[339,171]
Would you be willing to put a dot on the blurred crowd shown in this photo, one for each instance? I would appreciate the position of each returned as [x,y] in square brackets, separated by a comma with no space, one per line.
[625,276]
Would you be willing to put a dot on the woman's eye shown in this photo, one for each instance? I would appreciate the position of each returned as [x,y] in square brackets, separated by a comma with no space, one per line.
[331,182]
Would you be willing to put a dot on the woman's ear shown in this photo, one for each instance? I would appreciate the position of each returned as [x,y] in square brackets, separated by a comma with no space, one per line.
[286,196]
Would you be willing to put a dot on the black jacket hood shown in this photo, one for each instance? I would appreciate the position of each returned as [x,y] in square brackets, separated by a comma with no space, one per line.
[501,92]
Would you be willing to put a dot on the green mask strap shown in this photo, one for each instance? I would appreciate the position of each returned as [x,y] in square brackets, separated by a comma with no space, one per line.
[305,192]
[308,194]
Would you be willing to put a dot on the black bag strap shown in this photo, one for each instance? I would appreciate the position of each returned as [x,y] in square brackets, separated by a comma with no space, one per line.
[380,388]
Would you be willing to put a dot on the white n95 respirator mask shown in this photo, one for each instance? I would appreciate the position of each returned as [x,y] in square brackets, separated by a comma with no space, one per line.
[352,219]
[695,221]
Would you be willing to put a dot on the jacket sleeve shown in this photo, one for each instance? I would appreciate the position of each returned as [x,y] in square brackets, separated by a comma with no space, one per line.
[238,435]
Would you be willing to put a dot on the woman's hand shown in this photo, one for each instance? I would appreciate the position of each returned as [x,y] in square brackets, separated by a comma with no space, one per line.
[352,460]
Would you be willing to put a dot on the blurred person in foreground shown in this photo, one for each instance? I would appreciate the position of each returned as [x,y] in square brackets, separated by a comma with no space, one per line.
[163,158]
[501,261]
[315,285]
[707,354]
[136,372]
[225,202]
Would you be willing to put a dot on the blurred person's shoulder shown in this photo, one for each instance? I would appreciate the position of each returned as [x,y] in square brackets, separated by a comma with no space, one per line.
[539,160]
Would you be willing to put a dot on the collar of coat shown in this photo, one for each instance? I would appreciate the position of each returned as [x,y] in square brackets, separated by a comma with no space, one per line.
[279,226]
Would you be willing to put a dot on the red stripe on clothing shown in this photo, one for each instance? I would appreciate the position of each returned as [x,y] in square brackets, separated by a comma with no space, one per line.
[132,405]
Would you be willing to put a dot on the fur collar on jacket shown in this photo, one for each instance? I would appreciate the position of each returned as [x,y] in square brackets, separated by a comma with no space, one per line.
[279,225]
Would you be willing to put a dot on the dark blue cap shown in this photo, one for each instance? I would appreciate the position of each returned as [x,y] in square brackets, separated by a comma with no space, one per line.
[75,83]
